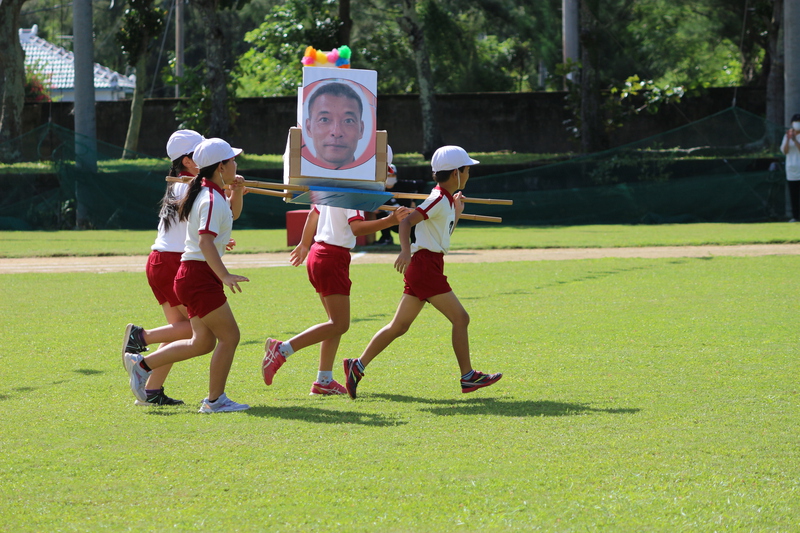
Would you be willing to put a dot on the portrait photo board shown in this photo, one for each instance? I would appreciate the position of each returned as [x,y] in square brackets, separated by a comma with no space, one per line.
[337,143]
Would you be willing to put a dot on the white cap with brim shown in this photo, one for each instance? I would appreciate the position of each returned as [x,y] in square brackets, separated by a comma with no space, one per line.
[213,151]
[182,142]
[451,158]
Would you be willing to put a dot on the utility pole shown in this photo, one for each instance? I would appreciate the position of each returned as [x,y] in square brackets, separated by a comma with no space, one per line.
[178,44]
[85,123]
[570,23]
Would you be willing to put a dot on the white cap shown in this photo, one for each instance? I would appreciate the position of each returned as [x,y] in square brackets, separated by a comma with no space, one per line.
[213,151]
[389,155]
[451,158]
[182,142]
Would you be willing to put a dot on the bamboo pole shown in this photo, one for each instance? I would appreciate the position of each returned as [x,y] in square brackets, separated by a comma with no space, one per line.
[465,216]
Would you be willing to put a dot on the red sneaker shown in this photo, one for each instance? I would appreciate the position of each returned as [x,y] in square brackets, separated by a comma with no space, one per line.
[273,360]
[330,389]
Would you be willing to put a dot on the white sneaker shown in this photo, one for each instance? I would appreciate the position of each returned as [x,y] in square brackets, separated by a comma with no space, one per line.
[222,405]
[137,374]
[127,361]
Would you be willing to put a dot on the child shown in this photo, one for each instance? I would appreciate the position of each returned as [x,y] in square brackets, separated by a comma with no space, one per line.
[162,266]
[424,278]
[202,276]
[329,272]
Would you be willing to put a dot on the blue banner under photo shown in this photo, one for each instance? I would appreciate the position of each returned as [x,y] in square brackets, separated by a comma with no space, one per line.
[359,199]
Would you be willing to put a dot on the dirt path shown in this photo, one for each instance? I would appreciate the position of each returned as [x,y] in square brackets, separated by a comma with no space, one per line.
[234,261]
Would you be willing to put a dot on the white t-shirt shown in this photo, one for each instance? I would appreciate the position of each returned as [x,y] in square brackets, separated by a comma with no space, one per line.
[433,233]
[333,226]
[792,159]
[212,214]
[172,239]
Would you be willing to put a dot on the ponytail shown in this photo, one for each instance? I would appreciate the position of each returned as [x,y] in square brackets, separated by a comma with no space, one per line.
[185,205]
[168,211]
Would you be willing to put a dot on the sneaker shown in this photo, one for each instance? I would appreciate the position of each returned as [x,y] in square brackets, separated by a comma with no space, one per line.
[127,361]
[158,398]
[133,341]
[222,405]
[138,376]
[273,360]
[353,375]
[478,380]
[327,390]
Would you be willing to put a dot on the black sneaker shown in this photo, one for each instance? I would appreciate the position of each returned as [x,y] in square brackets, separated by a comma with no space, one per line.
[133,341]
[159,398]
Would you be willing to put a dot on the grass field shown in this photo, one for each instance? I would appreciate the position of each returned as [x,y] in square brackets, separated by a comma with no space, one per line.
[639,395]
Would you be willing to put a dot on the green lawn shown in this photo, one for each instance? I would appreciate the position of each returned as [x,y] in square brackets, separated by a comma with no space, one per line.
[639,395]
[468,236]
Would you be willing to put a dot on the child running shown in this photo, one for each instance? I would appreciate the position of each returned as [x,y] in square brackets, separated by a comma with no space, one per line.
[202,276]
[329,273]
[162,266]
[435,220]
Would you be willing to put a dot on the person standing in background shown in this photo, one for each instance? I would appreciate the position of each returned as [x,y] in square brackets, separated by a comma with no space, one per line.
[790,146]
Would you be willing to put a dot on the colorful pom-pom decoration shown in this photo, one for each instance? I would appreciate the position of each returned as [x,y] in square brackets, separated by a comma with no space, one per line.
[338,58]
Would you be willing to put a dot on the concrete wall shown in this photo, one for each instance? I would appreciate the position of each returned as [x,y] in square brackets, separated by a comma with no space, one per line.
[481,122]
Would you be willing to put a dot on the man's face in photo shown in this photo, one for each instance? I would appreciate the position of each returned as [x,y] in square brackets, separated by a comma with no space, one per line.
[335,127]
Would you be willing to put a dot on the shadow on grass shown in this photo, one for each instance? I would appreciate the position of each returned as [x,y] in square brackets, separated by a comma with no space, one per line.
[591,275]
[323,416]
[88,371]
[494,406]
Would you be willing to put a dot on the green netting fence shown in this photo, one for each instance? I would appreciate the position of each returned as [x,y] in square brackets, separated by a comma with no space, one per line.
[724,168]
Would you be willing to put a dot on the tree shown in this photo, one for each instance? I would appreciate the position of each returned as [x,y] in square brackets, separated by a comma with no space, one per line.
[410,24]
[12,71]
[141,22]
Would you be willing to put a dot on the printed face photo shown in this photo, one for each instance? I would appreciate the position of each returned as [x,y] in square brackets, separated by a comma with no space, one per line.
[335,124]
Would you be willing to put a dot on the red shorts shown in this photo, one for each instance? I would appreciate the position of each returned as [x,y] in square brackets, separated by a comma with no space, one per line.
[425,275]
[161,270]
[329,269]
[200,290]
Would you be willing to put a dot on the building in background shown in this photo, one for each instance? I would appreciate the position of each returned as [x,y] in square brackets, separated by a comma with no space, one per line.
[56,67]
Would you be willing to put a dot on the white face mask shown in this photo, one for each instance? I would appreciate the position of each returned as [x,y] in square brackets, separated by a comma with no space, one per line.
[796,126]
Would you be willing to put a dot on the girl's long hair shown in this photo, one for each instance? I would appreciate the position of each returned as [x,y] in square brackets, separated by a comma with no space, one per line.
[168,211]
[185,205]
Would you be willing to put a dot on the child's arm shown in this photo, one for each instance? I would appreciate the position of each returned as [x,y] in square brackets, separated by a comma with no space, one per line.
[366,227]
[300,251]
[213,259]
[236,199]
[404,259]
[459,206]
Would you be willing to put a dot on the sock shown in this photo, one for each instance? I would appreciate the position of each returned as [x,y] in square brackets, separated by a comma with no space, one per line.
[214,400]
[360,366]
[468,375]
[146,368]
[286,349]
[152,392]
[141,337]
[324,377]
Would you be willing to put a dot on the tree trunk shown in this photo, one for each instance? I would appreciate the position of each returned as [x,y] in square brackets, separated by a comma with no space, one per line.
[775,87]
[220,122]
[591,121]
[137,108]
[12,72]
[409,23]
[346,22]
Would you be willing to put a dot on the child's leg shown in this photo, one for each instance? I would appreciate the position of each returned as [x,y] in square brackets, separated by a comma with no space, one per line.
[337,306]
[202,342]
[449,305]
[223,326]
[178,319]
[178,328]
[407,311]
